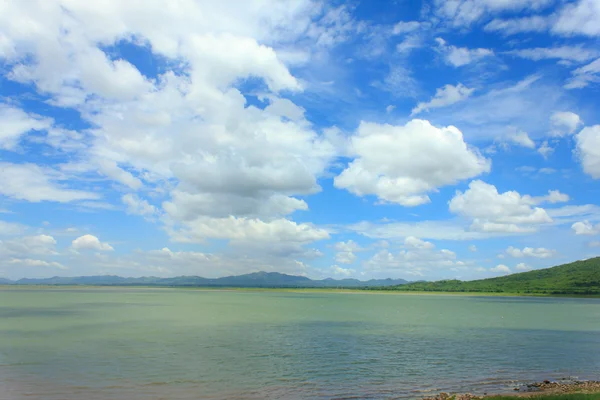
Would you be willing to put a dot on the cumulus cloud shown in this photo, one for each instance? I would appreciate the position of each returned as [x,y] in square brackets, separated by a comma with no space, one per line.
[520,138]
[491,211]
[249,230]
[588,148]
[523,267]
[11,228]
[412,242]
[29,256]
[585,228]
[473,248]
[343,272]
[545,149]
[417,258]
[578,18]
[90,242]
[460,56]
[33,183]
[405,26]
[539,252]
[16,123]
[444,96]
[501,268]
[137,206]
[345,252]
[401,164]
[564,123]
[29,262]
[189,132]
[29,245]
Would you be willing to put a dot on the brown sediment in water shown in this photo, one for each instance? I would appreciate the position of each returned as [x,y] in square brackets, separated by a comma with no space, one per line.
[530,390]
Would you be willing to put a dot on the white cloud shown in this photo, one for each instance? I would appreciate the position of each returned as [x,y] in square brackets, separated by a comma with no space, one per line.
[29,245]
[539,252]
[501,268]
[418,258]
[191,132]
[436,230]
[567,53]
[533,23]
[594,244]
[520,138]
[399,82]
[33,183]
[390,108]
[554,196]
[473,248]
[405,27]
[345,252]
[466,12]
[490,211]
[138,206]
[488,114]
[564,123]
[545,149]
[444,96]
[460,56]
[579,18]
[90,242]
[523,267]
[412,242]
[570,214]
[247,230]
[114,172]
[588,148]
[583,76]
[401,164]
[344,272]
[409,43]
[11,228]
[16,123]
[29,262]
[585,228]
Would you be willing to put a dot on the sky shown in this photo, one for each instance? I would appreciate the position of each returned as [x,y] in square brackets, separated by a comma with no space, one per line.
[364,139]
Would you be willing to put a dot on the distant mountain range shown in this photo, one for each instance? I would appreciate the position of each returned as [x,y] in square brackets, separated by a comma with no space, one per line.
[254,280]
[580,277]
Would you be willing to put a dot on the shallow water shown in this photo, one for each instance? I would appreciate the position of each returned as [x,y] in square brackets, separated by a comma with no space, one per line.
[193,344]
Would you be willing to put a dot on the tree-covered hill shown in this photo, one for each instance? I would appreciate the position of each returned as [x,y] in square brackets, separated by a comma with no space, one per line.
[580,277]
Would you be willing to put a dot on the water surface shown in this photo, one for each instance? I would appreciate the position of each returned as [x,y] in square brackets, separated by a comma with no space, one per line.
[201,344]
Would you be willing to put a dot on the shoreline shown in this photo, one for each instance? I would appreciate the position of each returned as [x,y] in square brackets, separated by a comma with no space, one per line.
[538,390]
[301,290]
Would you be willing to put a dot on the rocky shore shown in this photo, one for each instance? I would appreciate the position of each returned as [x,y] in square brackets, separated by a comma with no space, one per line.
[530,390]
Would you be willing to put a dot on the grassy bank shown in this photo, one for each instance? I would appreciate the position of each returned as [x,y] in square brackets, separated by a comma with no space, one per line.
[577,278]
[296,290]
[573,396]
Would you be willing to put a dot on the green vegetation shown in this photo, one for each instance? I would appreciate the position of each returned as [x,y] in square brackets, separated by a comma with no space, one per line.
[578,278]
[574,396]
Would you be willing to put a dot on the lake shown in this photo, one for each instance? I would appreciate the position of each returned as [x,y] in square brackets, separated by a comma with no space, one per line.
[133,343]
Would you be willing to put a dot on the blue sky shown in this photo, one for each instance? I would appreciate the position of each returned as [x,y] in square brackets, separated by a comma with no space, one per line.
[366,139]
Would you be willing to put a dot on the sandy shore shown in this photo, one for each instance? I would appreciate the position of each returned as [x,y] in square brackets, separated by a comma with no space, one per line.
[531,390]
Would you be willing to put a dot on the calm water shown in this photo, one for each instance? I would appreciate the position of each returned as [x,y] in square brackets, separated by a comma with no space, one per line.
[187,344]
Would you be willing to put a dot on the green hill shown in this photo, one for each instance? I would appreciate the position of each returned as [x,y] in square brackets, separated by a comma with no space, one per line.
[580,277]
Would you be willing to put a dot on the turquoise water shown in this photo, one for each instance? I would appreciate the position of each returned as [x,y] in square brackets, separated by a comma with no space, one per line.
[192,344]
